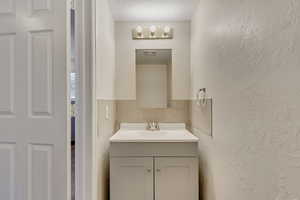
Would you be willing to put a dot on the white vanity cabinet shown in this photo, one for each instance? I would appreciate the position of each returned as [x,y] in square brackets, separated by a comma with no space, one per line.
[176,178]
[154,165]
[150,171]
[143,178]
[131,178]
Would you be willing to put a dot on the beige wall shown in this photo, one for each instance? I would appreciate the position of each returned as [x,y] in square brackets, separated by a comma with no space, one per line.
[105,91]
[125,62]
[200,117]
[246,53]
[105,51]
[128,111]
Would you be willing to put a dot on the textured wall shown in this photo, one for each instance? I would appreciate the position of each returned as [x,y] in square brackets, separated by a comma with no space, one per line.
[247,54]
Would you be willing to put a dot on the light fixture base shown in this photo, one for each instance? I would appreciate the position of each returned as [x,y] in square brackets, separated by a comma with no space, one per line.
[147,33]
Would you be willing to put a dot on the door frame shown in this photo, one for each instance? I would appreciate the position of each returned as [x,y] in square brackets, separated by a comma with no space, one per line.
[85,153]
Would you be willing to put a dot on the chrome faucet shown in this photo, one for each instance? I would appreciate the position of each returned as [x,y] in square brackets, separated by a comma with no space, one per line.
[153,126]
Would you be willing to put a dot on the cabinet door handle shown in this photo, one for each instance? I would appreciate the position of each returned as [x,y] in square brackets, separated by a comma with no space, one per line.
[157,170]
[149,170]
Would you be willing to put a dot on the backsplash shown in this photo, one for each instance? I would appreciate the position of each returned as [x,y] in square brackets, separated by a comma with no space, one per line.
[128,111]
[201,117]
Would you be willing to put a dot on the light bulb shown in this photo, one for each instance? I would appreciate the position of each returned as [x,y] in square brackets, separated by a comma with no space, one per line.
[139,29]
[152,29]
[167,29]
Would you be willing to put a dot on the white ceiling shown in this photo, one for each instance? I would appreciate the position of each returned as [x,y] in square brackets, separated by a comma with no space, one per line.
[153,10]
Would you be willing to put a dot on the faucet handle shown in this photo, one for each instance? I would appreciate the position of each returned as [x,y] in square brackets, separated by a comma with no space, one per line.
[156,125]
[153,125]
[149,124]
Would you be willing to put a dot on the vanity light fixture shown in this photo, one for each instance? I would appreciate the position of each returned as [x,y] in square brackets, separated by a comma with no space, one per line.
[139,31]
[152,33]
[167,30]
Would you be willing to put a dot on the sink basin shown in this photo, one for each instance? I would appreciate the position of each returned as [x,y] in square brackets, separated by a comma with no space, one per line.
[169,132]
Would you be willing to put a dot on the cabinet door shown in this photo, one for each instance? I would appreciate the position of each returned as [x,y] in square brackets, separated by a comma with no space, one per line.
[176,178]
[131,178]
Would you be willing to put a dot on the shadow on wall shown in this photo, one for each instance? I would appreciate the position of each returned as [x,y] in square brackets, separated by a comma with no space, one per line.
[205,180]
[200,124]
[106,128]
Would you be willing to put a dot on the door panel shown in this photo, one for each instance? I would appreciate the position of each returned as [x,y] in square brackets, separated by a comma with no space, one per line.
[40,73]
[176,179]
[7,6]
[7,171]
[131,179]
[40,172]
[40,6]
[33,100]
[7,70]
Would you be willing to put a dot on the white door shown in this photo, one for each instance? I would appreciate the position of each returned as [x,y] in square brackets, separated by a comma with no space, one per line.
[131,178]
[176,178]
[33,100]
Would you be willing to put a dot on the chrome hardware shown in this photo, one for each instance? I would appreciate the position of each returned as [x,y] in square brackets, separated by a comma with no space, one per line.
[153,126]
[201,97]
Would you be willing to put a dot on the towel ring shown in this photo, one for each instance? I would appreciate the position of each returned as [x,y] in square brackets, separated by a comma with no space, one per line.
[201,97]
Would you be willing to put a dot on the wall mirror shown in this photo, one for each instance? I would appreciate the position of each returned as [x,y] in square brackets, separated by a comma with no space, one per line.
[153,77]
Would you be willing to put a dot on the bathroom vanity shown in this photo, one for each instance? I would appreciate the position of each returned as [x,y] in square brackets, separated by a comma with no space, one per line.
[153,165]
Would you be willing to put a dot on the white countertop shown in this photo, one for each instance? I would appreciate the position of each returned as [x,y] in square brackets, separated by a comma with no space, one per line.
[169,132]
